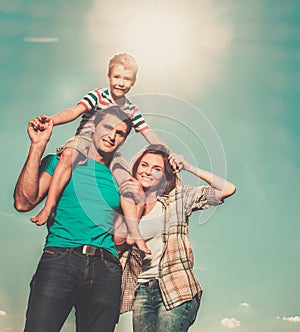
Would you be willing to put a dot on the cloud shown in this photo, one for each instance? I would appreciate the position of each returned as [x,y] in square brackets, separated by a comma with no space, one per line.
[3,313]
[41,40]
[16,216]
[230,323]
[198,267]
[7,214]
[293,319]
[245,305]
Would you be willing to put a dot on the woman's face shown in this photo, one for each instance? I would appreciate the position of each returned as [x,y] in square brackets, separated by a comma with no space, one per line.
[150,171]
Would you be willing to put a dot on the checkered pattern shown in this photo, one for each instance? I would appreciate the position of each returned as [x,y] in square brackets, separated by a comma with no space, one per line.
[177,281]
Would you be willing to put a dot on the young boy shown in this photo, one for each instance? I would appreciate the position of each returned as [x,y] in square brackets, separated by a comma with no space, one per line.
[122,70]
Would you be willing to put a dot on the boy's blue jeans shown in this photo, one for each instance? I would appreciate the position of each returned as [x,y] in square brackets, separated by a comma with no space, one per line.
[67,278]
[150,314]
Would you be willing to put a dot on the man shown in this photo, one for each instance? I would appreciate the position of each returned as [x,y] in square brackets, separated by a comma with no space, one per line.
[79,266]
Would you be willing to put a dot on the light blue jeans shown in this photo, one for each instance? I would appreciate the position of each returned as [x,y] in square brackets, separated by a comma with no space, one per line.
[150,314]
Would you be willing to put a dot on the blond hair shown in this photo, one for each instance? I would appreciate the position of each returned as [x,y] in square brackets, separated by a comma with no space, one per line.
[125,60]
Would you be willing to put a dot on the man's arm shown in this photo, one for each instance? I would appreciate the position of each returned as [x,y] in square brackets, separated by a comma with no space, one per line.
[32,186]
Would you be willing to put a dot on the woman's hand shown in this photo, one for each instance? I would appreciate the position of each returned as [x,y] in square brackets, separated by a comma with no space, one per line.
[133,188]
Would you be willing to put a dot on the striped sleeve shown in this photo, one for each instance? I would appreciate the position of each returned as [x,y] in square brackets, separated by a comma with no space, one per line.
[91,100]
[138,122]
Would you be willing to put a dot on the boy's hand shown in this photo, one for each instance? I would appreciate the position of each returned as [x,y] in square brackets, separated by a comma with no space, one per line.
[41,122]
[177,162]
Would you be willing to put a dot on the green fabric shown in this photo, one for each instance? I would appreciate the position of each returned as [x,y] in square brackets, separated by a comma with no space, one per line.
[84,214]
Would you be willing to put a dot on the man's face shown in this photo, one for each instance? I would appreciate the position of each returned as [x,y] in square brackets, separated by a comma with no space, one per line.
[109,134]
[120,81]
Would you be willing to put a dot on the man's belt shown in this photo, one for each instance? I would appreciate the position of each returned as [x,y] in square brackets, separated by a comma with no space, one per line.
[97,252]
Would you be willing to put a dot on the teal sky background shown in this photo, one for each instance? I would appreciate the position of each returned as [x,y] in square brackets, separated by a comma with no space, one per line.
[219,81]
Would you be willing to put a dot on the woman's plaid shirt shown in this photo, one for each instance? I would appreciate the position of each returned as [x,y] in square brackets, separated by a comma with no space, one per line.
[177,281]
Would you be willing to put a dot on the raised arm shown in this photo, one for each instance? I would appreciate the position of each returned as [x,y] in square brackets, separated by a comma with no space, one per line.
[41,122]
[223,188]
[32,186]
[68,115]
[153,138]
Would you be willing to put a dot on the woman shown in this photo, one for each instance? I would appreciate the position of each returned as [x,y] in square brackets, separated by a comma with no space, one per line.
[163,288]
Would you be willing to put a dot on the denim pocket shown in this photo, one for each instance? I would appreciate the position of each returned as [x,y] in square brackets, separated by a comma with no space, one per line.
[138,286]
[52,254]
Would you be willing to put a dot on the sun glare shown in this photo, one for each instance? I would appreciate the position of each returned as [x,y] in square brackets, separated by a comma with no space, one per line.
[175,42]
[160,36]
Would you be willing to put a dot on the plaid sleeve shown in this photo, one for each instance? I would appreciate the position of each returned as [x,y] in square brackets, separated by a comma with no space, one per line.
[199,198]
[132,263]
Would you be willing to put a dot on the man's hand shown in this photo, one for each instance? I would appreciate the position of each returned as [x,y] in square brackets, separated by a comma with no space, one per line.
[40,129]
[32,185]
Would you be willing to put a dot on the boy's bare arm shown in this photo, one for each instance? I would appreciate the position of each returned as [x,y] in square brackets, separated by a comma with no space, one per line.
[68,115]
[153,138]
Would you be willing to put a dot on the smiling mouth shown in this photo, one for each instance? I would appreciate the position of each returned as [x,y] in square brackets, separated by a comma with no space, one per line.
[108,142]
[120,89]
[147,178]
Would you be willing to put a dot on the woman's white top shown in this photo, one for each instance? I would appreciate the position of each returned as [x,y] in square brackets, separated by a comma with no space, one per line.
[150,228]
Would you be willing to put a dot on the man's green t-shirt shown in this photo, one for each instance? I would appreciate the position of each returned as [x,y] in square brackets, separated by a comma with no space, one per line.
[85,211]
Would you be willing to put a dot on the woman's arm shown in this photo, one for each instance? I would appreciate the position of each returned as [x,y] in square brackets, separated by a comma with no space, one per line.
[223,188]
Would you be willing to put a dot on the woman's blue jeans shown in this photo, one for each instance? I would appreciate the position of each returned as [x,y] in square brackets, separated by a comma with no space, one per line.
[67,278]
[150,314]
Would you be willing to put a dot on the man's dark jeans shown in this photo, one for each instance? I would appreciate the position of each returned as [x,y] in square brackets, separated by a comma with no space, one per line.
[67,278]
